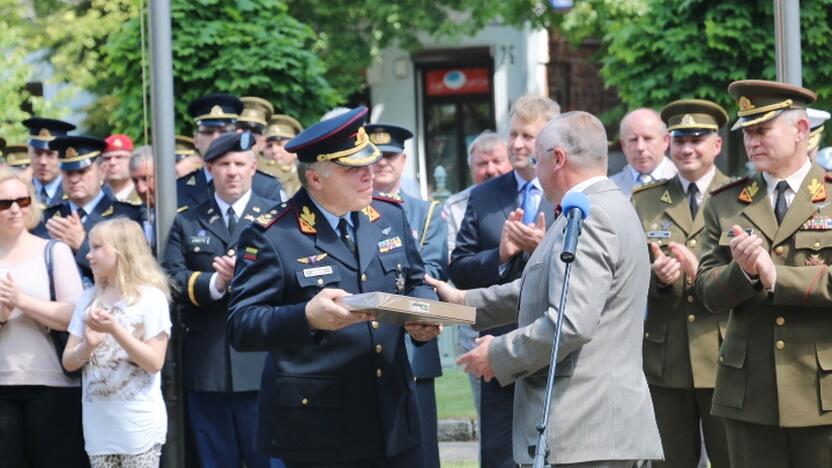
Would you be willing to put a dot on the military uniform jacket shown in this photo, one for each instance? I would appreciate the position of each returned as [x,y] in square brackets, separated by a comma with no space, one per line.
[430,231]
[197,236]
[775,364]
[193,188]
[681,339]
[107,208]
[327,396]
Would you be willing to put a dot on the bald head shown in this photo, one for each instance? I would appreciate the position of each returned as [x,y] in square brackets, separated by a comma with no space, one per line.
[644,139]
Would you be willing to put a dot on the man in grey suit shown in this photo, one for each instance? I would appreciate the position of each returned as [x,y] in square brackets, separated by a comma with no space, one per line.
[644,141]
[602,415]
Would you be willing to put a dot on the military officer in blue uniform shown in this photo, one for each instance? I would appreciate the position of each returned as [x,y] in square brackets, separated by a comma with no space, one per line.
[337,389]
[221,383]
[47,173]
[84,203]
[431,234]
[214,115]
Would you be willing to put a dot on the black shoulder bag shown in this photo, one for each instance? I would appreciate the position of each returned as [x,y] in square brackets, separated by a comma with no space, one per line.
[59,338]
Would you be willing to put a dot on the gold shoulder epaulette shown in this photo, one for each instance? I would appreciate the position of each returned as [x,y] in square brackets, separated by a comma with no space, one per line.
[655,183]
[388,197]
[268,218]
[729,184]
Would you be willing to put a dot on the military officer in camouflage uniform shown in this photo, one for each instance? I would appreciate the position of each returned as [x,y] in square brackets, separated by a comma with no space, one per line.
[681,339]
[768,247]
[337,389]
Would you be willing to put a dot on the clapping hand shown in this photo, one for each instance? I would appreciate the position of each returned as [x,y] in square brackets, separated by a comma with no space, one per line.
[9,293]
[526,236]
[69,230]
[224,266]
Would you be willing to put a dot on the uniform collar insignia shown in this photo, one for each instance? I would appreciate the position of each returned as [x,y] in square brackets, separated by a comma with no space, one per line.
[248,217]
[255,209]
[307,221]
[818,191]
[191,181]
[747,194]
[312,259]
[666,224]
[815,260]
[371,213]
[210,210]
[214,218]
[386,230]
[666,197]
[108,211]
[265,218]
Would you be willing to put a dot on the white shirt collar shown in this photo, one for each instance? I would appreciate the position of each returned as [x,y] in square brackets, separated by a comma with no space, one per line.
[702,184]
[239,206]
[657,172]
[795,180]
[584,184]
[521,182]
[331,218]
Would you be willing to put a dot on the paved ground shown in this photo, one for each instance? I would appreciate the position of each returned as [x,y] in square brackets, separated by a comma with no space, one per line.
[456,452]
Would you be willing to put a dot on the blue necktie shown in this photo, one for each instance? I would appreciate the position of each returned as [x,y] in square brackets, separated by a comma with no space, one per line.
[527,204]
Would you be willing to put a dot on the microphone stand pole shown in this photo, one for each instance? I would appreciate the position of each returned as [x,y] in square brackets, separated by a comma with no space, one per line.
[541,452]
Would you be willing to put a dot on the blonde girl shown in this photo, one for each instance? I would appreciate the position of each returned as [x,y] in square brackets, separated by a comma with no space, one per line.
[119,334]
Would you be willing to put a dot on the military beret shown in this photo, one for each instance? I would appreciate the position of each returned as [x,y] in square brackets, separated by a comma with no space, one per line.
[760,101]
[388,138]
[229,142]
[282,126]
[341,139]
[17,155]
[215,110]
[77,152]
[118,142]
[693,117]
[42,131]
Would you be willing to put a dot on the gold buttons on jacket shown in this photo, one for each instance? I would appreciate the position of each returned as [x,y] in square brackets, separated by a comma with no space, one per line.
[689,281]
[780,321]
[379,349]
[690,299]
[721,359]
[779,250]
[375,324]
[691,318]
[378,373]
[304,402]
[779,344]
[816,245]
[647,334]
[320,281]
[363,276]
[692,243]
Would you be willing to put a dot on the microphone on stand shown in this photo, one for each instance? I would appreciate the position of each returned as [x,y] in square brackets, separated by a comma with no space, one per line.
[576,208]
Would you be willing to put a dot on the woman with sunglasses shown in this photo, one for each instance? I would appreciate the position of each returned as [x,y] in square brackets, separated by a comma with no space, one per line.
[40,407]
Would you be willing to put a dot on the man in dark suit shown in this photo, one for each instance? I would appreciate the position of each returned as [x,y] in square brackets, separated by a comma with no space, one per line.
[431,234]
[505,219]
[47,173]
[222,383]
[214,115]
[84,203]
[337,389]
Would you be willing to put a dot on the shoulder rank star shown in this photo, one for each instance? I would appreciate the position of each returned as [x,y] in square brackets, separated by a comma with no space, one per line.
[666,197]
[818,191]
[307,221]
[747,194]
[312,259]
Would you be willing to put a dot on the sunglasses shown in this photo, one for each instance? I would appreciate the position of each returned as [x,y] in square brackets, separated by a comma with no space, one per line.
[22,202]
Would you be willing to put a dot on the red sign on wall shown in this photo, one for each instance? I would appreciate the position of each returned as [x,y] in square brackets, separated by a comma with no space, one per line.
[449,82]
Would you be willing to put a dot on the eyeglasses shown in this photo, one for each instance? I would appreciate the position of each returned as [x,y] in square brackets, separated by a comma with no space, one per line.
[534,159]
[22,202]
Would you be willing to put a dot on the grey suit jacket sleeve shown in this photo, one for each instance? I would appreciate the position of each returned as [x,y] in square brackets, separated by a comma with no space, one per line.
[528,349]
[496,305]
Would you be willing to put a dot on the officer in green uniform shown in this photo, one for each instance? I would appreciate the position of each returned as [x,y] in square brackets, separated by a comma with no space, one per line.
[275,160]
[254,117]
[681,340]
[17,159]
[768,244]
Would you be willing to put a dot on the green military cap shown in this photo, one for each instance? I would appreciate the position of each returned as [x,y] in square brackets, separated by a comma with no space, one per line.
[17,155]
[256,113]
[693,117]
[282,126]
[760,100]
[184,147]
